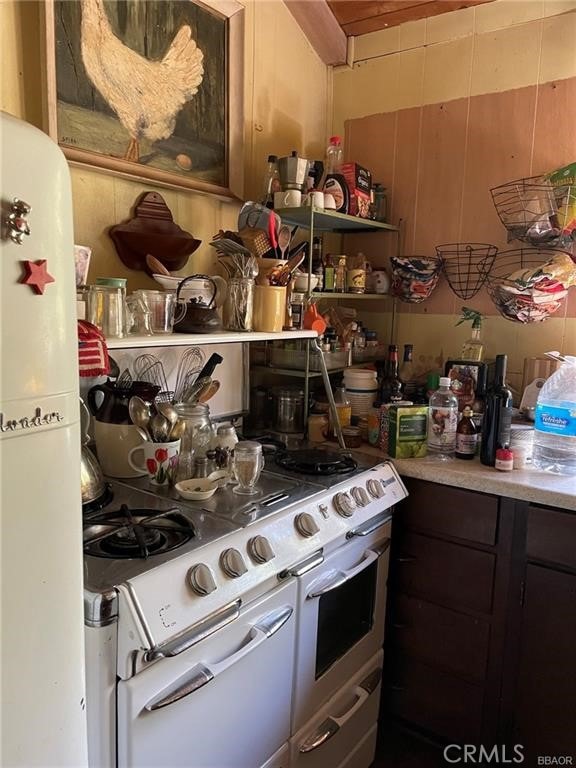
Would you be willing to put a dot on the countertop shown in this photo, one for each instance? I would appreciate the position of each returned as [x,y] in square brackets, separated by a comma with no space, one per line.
[524,484]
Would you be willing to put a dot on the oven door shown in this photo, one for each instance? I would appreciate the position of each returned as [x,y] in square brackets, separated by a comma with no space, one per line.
[224,703]
[342,608]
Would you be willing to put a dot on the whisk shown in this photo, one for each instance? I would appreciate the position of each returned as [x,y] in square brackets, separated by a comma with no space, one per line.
[189,367]
[149,368]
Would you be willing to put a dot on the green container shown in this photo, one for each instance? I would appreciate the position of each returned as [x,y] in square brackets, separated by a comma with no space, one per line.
[407,430]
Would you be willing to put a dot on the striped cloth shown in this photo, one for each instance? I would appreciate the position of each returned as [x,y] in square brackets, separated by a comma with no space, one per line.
[93,357]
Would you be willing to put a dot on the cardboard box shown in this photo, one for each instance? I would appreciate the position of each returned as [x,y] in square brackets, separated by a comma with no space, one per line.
[359,182]
[407,430]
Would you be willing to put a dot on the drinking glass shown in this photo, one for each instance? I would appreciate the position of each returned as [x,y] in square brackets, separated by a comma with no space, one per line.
[248,464]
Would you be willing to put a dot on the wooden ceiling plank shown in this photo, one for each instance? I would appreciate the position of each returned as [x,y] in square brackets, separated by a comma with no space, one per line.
[348,11]
[413,13]
[321,28]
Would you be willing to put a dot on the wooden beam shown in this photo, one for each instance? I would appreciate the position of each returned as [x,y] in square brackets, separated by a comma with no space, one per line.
[324,33]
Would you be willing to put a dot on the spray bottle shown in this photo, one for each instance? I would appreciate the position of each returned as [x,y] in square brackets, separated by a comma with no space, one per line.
[472,349]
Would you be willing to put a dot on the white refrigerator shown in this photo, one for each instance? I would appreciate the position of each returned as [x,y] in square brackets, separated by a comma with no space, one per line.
[42,645]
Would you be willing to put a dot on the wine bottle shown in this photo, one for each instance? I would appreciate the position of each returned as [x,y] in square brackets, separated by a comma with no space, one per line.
[497,415]
[390,385]
[407,373]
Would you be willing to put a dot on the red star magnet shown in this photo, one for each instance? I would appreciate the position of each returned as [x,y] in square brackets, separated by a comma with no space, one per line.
[37,275]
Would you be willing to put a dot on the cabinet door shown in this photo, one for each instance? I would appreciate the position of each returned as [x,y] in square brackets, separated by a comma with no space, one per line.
[445,573]
[545,719]
[447,511]
[439,703]
[448,639]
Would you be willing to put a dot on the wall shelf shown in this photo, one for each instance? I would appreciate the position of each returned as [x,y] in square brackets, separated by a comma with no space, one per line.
[220,337]
[330,221]
[353,296]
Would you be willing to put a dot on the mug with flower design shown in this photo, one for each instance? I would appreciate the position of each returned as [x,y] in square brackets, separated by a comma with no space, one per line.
[157,460]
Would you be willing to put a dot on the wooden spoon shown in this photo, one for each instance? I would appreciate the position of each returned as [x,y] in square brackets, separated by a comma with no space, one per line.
[209,392]
[156,266]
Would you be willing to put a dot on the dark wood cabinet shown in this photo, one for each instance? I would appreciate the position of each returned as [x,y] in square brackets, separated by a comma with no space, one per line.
[543,691]
[481,623]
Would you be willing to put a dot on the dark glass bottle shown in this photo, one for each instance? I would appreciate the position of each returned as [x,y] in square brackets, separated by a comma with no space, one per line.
[390,385]
[406,373]
[466,436]
[497,415]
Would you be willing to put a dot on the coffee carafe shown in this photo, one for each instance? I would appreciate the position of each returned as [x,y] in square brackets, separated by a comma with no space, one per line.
[293,171]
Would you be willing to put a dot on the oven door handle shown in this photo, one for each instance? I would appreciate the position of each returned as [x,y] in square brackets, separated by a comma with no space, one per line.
[341,577]
[201,673]
[330,727]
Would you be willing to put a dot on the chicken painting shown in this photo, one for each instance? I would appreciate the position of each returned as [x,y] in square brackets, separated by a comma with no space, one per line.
[146,95]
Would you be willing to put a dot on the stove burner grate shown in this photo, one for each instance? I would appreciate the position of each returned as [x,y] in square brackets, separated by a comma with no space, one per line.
[135,533]
[314,461]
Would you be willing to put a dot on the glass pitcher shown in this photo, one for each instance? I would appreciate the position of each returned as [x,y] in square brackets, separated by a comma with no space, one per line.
[196,436]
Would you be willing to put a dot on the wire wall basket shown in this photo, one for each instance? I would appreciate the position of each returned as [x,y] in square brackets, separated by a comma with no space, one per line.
[414,277]
[528,285]
[466,265]
[536,211]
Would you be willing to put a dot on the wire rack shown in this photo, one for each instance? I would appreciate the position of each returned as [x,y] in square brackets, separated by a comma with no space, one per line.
[536,211]
[525,287]
[466,265]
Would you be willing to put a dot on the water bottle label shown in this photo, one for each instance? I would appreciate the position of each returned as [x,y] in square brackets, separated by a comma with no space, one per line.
[556,420]
[442,423]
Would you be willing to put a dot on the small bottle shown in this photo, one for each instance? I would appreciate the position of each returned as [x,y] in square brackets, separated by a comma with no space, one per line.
[472,349]
[271,182]
[442,422]
[334,182]
[340,275]
[329,274]
[297,311]
[359,338]
[497,419]
[504,460]
[466,436]
[407,373]
[343,407]
[390,385]
[317,266]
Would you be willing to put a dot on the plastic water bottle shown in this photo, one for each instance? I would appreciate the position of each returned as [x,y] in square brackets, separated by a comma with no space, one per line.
[555,422]
[442,422]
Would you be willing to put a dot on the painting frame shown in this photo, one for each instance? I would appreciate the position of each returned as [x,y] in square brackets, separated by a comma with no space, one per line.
[232,14]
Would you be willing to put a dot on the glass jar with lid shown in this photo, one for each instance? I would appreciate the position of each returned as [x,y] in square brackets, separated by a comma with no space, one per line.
[224,443]
[196,437]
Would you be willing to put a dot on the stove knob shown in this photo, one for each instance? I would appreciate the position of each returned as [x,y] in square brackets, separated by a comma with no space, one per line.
[201,579]
[260,550]
[360,496]
[306,525]
[232,563]
[344,504]
[375,488]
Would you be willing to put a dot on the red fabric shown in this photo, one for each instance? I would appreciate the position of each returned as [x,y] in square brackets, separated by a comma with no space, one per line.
[93,359]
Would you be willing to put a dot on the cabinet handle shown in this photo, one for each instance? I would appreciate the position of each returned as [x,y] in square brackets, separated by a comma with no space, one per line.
[397,687]
[397,625]
[405,559]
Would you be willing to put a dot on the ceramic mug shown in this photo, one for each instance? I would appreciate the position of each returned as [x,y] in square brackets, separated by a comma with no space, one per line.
[159,461]
[315,198]
[289,198]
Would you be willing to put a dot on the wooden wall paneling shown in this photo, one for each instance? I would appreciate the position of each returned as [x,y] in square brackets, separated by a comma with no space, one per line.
[402,201]
[370,142]
[500,130]
[554,134]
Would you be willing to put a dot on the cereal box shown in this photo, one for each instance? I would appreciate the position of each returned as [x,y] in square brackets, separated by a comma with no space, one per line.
[358,181]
